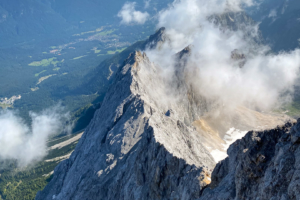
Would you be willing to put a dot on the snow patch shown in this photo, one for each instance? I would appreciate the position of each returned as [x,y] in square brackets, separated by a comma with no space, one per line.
[231,136]
[218,155]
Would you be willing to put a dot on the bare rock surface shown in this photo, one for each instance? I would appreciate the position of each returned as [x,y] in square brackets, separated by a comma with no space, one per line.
[153,138]
[263,165]
[132,149]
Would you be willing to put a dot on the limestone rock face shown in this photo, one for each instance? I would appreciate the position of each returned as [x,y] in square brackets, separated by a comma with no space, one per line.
[136,147]
[154,136]
[262,165]
[157,39]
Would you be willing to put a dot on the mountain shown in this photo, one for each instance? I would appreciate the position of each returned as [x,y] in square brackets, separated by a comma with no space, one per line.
[108,68]
[134,150]
[51,49]
[55,52]
[235,21]
[142,144]
[27,20]
[279,23]
[103,75]
[16,183]
[262,165]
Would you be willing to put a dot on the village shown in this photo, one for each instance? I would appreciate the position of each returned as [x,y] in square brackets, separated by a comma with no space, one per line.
[10,101]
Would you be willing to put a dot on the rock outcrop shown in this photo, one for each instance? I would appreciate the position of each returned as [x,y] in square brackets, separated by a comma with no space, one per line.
[262,165]
[136,147]
[142,145]
[153,138]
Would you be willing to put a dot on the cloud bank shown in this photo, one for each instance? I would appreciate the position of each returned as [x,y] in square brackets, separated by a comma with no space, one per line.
[130,15]
[265,80]
[27,144]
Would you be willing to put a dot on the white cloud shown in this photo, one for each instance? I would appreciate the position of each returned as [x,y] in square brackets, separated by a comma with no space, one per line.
[273,13]
[265,80]
[130,15]
[28,144]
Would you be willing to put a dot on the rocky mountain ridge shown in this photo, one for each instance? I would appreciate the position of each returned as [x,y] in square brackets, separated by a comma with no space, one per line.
[126,151]
[157,138]
[139,145]
[262,165]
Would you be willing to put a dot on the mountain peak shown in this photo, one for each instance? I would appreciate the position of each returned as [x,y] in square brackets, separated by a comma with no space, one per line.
[157,39]
[132,149]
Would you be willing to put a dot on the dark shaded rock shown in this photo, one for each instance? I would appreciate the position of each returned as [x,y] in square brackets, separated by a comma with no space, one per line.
[261,166]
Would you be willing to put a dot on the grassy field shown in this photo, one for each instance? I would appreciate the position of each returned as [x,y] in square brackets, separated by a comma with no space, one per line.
[89,32]
[37,74]
[44,62]
[104,33]
[293,109]
[116,51]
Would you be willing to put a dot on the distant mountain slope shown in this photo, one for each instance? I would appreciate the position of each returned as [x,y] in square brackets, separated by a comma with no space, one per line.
[77,36]
[23,20]
[40,174]
[26,20]
[280,23]
[280,27]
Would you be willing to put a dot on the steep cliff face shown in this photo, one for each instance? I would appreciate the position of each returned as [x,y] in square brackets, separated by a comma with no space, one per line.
[136,147]
[143,144]
[157,137]
[262,165]
[238,21]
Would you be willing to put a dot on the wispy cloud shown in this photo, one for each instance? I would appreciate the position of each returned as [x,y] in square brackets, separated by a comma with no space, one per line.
[273,13]
[262,83]
[27,144]
[130,15]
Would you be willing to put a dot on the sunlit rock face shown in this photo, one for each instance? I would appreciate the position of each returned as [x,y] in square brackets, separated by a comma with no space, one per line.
[143,144]
[133,149]
[156,136]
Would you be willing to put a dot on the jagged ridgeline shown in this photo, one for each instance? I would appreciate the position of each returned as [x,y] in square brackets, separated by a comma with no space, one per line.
[16,183]
[142,144]
[135,147]
[263,165]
